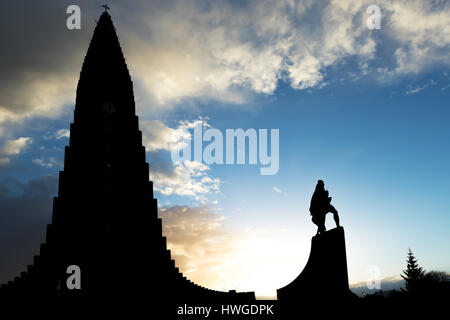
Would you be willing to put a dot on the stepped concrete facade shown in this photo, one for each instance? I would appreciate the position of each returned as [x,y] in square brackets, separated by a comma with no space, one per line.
[105,217]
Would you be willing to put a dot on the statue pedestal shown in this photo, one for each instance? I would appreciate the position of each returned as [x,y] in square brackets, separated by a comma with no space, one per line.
[324,280]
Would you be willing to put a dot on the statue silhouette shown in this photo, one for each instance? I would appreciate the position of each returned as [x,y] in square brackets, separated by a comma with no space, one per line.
[320,206]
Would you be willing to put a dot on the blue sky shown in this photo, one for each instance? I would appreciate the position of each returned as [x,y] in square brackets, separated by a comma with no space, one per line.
[365,110]
[382,153]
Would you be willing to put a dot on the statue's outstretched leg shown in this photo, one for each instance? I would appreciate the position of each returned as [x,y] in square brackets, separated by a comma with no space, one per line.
[335,215]
[336,219]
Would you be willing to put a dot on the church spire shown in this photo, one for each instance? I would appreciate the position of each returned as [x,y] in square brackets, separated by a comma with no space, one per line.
[105,218]
[104,76]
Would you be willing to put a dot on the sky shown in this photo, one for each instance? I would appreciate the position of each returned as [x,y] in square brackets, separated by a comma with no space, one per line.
[366,110]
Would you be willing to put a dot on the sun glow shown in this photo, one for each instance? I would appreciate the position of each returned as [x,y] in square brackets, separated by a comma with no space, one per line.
[260,261]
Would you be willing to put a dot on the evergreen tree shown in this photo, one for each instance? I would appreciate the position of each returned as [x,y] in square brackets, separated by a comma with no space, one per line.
[413,273]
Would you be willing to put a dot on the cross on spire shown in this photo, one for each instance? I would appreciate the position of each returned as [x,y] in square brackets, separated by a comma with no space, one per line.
[106,7]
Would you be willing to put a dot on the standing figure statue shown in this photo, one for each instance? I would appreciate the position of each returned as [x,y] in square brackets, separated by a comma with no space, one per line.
[320,206]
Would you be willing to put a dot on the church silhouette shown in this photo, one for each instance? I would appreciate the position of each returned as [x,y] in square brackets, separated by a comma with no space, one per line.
[105,218]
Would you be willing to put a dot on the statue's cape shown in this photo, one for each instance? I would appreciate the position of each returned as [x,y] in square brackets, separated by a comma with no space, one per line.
[320,202]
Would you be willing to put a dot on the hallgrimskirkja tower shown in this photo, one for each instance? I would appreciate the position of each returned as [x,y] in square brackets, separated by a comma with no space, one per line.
[105,219]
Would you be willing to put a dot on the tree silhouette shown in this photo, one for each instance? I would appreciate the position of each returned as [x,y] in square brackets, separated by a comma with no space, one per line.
[413,273]
[436,276]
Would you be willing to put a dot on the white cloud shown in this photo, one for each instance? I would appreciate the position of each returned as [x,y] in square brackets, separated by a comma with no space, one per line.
[422,31]
[414,90]
[12,148]
[58,134]
[47,163]
[276,189]
[62,133]
[36,95]
[157,136]
[188,178]
[211,53]
[227,51]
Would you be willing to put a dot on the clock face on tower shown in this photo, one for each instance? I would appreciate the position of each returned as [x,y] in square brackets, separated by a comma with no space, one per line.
[109,107]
